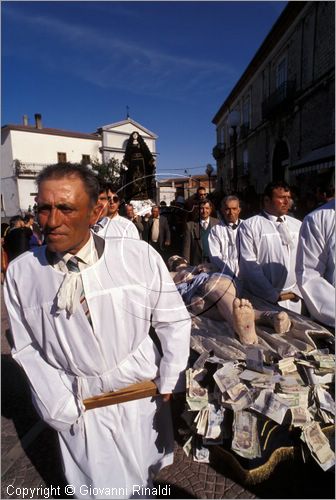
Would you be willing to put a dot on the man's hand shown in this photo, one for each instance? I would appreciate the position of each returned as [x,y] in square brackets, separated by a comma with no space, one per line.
[166,397]
[289,296]
[167,243]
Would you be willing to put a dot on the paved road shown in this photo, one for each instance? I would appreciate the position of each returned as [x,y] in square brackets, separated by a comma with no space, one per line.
[30,456]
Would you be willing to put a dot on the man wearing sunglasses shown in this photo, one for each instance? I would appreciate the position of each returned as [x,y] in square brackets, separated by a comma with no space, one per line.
[114,225]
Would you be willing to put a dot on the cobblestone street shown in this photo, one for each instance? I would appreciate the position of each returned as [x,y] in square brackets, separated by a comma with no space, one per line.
[30,457]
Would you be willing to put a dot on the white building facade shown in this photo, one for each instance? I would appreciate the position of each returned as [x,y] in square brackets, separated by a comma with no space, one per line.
[26,150]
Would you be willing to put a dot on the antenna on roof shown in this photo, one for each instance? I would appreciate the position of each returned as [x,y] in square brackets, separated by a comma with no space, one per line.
[127,114]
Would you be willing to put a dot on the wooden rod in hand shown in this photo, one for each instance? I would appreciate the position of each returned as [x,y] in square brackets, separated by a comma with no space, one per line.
[140,390]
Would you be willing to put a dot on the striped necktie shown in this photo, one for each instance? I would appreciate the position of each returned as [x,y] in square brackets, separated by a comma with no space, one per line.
[73,267]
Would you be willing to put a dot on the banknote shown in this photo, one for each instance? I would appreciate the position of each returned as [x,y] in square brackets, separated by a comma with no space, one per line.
[300,416]
[319,445]
[187,447]
[287,365]
[197,397]
[201,453]
[215,421]
[245,440]
[237,391]
[227,377]
[271,405]
[202,421]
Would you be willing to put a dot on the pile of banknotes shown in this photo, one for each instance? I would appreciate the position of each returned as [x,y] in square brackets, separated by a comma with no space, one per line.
[225,398]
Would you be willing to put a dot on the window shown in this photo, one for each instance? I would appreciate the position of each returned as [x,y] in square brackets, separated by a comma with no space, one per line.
[245,162]
[246,111]
[222,137]
[61,157]
[281,72]
[85,159]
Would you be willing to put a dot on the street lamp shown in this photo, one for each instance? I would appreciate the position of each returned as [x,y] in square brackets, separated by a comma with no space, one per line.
[233,122]
[209,169]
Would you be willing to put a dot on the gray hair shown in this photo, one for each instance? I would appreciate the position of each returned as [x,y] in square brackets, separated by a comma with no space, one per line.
[61,170]
[230,197]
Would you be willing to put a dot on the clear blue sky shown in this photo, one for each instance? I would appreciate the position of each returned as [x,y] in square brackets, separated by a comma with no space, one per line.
[173,63]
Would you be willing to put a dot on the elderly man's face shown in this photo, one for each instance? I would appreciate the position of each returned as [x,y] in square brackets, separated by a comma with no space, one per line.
[280,202]
[230,211]
[114,202]
[65,214]
[155,212]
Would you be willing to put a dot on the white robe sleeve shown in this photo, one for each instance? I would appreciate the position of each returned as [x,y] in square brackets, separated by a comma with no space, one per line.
[250,271]
[172,324]
[222,253]
[132,231]
[311,265]
[215,248]
[52,393]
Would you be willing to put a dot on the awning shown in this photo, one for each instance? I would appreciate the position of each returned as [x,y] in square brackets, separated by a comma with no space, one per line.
[317,159]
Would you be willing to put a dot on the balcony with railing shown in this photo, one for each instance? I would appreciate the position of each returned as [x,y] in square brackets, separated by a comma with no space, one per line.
[28,170]
[281,99]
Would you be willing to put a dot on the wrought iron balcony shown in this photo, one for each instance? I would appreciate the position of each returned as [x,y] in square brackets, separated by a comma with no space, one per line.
[23,169]
[279,100]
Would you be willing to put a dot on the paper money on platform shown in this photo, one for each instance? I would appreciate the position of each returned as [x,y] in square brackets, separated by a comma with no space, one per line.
[300,416]
[325,361]
[227,377]
[245,440]
[200,453]
[287,365]
[202,421]
[294,399]
[244,401]
[292,383]
[187,447]
[319,445]
[197,397]
[270,405]
[237,391]
[215,428]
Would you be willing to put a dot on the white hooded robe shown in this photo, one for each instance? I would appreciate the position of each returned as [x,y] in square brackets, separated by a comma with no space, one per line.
[66,361]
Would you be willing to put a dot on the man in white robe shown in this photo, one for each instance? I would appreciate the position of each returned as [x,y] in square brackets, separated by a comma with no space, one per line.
[223,238]
[267,247]
[315,264]
[73,345]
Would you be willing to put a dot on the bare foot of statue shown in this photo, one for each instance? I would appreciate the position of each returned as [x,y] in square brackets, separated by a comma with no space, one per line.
[280,321]
[243,321]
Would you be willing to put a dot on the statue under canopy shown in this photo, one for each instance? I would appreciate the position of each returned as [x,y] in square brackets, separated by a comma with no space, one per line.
[140,163]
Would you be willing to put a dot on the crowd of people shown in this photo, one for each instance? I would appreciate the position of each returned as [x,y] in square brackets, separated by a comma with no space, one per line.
[108,278]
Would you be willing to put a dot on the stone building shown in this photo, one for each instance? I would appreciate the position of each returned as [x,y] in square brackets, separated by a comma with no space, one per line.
[278,121]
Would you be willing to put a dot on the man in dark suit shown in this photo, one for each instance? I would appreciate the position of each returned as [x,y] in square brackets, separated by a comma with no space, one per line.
[157,232]
[195,243]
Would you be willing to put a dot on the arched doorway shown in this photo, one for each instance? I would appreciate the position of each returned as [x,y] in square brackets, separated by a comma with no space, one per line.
[280,162]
